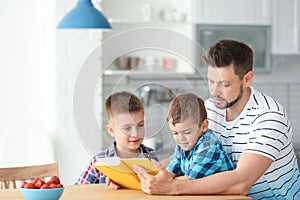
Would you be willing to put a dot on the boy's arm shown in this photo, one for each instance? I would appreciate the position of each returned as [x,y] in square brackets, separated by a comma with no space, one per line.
[90,174]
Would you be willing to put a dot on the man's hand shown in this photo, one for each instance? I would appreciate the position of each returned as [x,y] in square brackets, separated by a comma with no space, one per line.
[112,184]
[161,183]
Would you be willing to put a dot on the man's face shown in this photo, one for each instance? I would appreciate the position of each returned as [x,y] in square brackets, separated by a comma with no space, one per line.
[225,86]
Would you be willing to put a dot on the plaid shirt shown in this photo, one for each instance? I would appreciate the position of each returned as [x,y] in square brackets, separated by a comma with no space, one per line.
[206,157]
[92,175]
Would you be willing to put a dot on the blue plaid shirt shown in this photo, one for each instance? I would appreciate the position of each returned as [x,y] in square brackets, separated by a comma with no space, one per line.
[206,157]
[92,175]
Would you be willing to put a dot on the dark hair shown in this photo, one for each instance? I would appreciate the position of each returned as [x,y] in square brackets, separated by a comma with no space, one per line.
[122,102]
[187,105]
[226,52]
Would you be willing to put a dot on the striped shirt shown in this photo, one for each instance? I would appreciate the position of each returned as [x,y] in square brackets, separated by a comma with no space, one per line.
[206,157]
[92,175]
[262,127]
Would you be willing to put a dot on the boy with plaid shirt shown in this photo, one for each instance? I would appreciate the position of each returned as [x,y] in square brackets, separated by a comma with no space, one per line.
[125,113]
[198,152]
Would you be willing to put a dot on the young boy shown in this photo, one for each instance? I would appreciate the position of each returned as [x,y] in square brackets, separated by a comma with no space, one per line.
[125,113]
[198,152]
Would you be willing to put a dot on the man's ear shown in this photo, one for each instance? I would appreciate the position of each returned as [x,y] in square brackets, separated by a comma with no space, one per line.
[110,130]
[248,78]
[204,125]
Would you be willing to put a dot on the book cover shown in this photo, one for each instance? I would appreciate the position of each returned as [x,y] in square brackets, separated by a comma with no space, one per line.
[121,170]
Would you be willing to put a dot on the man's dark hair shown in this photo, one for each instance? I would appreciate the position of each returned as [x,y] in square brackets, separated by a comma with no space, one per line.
[226,52]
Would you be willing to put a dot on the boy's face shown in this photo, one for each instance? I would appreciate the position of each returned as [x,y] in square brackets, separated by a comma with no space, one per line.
[187,133]
[128,130]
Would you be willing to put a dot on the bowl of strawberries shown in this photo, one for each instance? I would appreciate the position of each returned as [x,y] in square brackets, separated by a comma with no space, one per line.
[39,189]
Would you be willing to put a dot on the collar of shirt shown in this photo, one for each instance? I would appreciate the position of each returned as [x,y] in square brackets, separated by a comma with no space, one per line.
[111,151]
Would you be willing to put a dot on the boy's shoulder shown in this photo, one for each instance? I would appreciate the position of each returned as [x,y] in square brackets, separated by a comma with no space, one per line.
[108,152]
[208,137]
[149,152]
[146,149]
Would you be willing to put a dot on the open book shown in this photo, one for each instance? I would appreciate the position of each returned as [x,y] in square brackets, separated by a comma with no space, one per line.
[121,170]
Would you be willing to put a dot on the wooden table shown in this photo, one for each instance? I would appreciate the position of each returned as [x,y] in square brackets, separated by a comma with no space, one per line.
[101,191]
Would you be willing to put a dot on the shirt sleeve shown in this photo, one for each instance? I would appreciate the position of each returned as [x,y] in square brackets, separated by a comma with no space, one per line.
[91,175]
[174,164]
[149,153]
[272,133]
[207,159]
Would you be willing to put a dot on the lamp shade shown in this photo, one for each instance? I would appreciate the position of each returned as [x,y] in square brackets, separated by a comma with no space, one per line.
[84,15]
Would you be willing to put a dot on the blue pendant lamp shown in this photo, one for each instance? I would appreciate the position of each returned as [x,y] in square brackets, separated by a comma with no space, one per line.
[84,15]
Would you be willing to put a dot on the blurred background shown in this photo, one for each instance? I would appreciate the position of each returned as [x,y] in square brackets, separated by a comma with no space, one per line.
[40,66]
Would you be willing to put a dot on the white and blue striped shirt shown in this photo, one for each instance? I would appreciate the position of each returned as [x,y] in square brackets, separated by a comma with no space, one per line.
[262,127]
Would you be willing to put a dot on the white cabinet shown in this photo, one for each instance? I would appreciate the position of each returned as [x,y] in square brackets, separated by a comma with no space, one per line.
[286,27]
[173,16]
[138,11]
[252,12]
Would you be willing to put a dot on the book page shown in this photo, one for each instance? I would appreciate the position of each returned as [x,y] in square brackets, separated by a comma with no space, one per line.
[143,162]
[121,171]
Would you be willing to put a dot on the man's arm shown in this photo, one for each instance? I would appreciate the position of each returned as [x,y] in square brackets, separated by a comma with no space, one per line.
[250,167]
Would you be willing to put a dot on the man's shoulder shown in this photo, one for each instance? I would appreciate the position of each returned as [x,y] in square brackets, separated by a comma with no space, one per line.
[209,102]
[263,102]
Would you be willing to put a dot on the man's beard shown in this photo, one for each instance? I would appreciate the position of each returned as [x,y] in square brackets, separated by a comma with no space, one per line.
[228,105]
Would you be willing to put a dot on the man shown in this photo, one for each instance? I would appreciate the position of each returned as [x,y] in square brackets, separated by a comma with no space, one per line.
[253,127]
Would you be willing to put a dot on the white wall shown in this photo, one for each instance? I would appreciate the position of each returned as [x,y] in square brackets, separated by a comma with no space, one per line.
[28,128]
[73,47]
[27,50]
[27,64]
[36,119]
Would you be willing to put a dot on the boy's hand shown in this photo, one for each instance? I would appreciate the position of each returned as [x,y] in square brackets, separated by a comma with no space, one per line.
[112,184]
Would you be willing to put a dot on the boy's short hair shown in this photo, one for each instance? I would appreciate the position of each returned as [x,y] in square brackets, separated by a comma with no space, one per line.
[122,102]
[185,106]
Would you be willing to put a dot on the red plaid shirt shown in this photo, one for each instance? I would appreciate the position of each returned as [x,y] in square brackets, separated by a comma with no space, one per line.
[92,175]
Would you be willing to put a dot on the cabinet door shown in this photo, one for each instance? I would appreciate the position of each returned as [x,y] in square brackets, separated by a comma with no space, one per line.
[233,12]
[285,27]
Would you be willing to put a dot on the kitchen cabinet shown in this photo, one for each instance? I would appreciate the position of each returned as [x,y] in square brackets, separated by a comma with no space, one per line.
[286,27]
[169,14]
[174,16]
[143,11]
[252,12]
